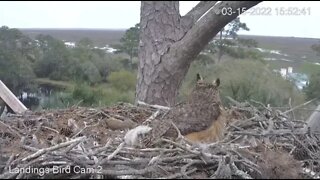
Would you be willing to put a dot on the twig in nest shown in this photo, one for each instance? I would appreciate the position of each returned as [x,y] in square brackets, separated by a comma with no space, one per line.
[293,115]
[85,127]
[184,169]
[164,169]
[234,101]
[229,140]
[54,163]
[302,144]
[260,103]
[73,124]
[115,152]
[245,161]
[154,106]
[11,129]
[177,175]
[224,170]
[71,147]
[152,117]
[29,148]
[292,150]
[308,102]
[148,169]
[180,146]
[52,148]
[38,128]
[35,161]
[9,162]
[76,160]
[271,125]
[154,160]
[178,131]
[115,116]
[45,127]
[77,104]
[153,149]
[93,115]
[176,158]
[236,171]
[101,149]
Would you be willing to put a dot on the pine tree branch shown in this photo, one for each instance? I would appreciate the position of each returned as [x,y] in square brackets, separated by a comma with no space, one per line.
[207,27]
[199,10]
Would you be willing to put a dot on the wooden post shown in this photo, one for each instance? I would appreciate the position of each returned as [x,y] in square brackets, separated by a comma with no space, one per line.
[10,99]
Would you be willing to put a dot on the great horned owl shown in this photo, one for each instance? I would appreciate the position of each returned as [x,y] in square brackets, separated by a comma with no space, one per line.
[202,108]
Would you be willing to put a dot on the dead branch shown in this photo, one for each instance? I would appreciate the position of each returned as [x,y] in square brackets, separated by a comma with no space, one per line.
[45,150]
[116,151]
[153,106]
[303,104]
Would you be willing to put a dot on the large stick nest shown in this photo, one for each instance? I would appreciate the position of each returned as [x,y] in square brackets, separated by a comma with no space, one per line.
[89,143]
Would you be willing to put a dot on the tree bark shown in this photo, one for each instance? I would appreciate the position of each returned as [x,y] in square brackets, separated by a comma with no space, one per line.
[169,43]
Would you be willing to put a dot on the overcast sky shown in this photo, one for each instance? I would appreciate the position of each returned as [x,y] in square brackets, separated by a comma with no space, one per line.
[125,14]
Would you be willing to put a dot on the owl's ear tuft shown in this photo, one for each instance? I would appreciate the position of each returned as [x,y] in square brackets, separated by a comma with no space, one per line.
[199,77]
[216,82]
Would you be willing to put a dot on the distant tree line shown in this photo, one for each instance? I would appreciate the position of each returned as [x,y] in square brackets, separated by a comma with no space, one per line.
[23,59]
[312,89]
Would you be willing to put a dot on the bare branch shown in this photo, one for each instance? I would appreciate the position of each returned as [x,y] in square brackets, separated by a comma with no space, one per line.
[153,106]
[45,150]
[308,102]
[152,117]
[177,175]
[116,151]
[128,172]
[207,27]
[199,10]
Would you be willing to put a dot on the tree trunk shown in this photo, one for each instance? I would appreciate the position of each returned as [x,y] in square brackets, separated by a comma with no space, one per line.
[169,43]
